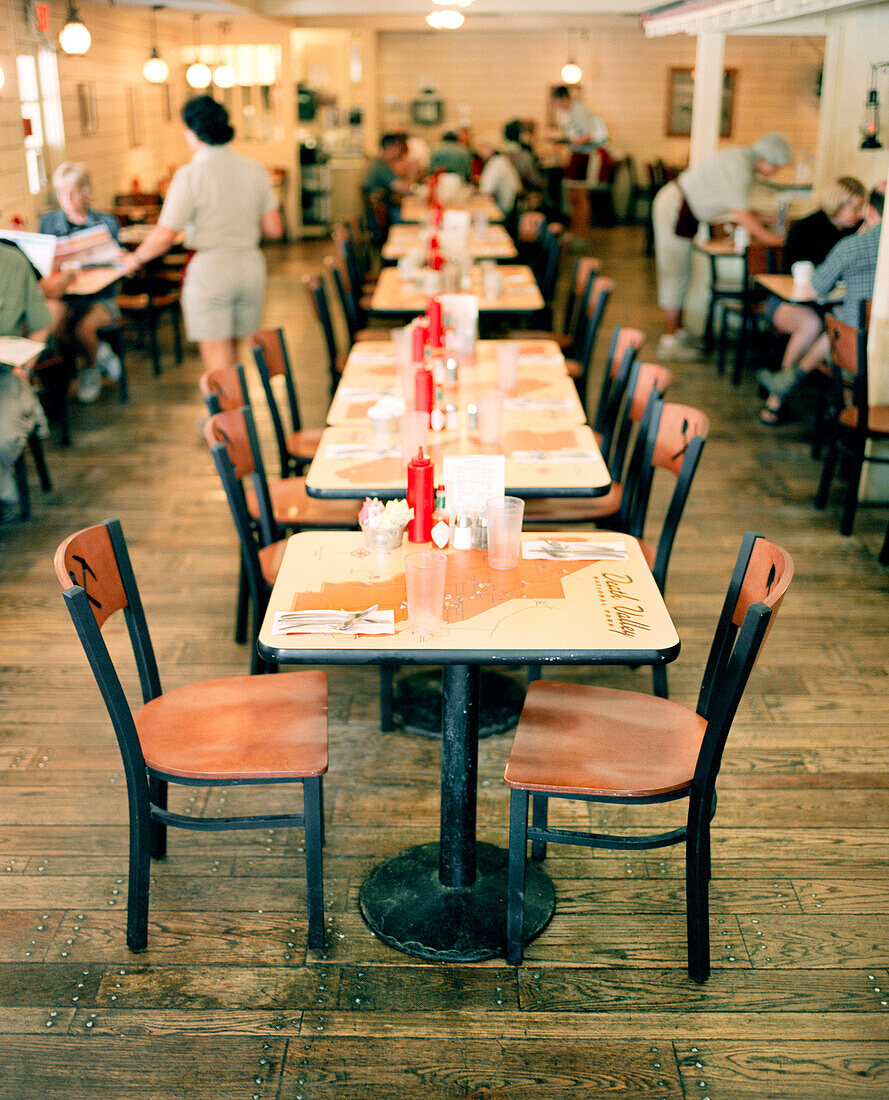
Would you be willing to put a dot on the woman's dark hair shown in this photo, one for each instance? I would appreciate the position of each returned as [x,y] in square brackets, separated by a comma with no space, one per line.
[207,120]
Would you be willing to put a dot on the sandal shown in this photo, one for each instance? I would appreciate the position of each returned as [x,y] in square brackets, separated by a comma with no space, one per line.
[772,416]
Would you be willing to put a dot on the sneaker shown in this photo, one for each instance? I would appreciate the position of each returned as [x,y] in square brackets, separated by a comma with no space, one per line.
[780,383]
[108,363]
[672,349]
[89,385]
[687,339]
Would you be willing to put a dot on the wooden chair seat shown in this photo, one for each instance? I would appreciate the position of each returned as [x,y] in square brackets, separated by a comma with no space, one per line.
[574,368]
[293,507]
[270,560]
[574,509]
[133,302]
[599,741]
[365,334]
[877,419]
[304,443]
[239,728]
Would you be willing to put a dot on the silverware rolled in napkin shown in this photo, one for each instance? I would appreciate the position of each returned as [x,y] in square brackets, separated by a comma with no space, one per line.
[336,620]
[603,550]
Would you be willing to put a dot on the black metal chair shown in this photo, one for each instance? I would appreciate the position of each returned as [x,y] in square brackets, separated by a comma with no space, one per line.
[602,745]
[297,447]
[243,730]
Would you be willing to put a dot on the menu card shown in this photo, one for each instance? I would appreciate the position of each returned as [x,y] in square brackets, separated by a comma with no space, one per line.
[471,480]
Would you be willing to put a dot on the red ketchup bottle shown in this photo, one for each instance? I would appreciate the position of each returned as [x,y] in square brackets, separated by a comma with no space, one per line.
[418,345]
[424,390]
[434,323]
[420,497]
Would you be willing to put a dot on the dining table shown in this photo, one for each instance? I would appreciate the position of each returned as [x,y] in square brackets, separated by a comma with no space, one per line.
[544,393]
[92,280]
[517,292]
[446,899]
[785,287]
[489,243]
[416,208]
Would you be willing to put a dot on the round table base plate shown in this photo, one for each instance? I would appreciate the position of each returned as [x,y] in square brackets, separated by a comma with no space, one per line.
[405,905]
[418,700]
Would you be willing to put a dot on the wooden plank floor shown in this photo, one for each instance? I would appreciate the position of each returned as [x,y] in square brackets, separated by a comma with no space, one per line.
[227,1003]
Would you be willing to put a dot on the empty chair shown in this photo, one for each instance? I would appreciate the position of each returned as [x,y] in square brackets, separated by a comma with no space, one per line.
[244,730]
[625,343]
[579,366]
[746,307]
[602,745]
[146,301]
[575,316]
[354,308]
[20,474]
[297,447]
[855,422]
[317,293]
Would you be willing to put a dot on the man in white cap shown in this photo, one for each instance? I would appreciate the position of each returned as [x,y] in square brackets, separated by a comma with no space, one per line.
[717,189]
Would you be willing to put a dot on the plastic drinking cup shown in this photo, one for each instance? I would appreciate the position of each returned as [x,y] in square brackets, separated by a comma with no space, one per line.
[802,272]
[508,366]
[414,427]
[490,415]
[424,579]
[504,531]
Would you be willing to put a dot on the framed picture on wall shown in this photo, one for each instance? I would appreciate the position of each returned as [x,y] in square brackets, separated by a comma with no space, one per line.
[680,91]
[86,106]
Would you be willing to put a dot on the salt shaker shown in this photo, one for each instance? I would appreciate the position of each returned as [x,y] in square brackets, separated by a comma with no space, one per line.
[480,533]
[462,538]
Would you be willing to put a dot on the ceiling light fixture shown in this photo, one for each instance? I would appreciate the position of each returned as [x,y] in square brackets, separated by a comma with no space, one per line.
[74,38]
[198,74]
[445,20]
[224,76]
[571,71]
[155,70]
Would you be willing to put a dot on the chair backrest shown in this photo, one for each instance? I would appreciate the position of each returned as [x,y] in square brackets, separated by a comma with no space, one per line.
[600,292]
[340,275]
[531,227]
[236,432]
[549,266]
[679,443]
[760,579]
[645,378]
[586,268]
[271,358]
[343,242]
[623,340]
[848,364]
[224,388]
[94,570]
[221,434]
[317,293]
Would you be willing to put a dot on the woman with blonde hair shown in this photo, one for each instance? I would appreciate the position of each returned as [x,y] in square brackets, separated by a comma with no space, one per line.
[811,238]
[83,315]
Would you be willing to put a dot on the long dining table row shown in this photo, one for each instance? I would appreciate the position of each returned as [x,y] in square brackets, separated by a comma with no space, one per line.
[447,899]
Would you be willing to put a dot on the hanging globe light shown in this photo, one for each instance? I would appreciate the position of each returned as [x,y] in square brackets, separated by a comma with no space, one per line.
[74,38]
[155,70]
[445,20]
[198,75]
[571,73]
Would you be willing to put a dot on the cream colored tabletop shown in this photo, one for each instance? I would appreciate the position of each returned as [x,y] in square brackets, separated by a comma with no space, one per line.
[519,292]
[91,280]
[784,287]
[545,395]
[562,460]
[416,209]
[493,243]
[528,614]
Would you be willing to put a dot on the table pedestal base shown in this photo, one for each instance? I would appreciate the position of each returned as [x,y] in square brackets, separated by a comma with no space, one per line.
[404,904]
[417,703]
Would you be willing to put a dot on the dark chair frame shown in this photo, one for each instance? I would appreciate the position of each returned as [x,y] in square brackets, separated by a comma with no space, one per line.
[731,660]
[290,464]
[147,789]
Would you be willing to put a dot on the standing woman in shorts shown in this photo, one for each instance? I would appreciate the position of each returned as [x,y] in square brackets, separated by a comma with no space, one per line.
[224,204]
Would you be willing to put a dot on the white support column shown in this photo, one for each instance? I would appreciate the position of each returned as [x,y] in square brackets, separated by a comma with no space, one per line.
[705,114]
[875,478]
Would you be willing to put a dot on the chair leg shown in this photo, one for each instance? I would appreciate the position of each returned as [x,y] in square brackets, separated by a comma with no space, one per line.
[827,470]
[850,498]
[720,342]
[177,334]
[157,793]
[139,882]
[314,866]
[659,681]
[741,350]
[151,324]
[36,447]
[387,691]
[539,819]
[697,881]
[242,609]
[21,483]
[535,672]
[515,890]
[884,553]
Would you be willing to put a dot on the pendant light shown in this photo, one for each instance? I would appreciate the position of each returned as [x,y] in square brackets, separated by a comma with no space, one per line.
[571,71]
[445,19]
[74,38]
[870,131]
[198,74]
[155,70]
[224,75]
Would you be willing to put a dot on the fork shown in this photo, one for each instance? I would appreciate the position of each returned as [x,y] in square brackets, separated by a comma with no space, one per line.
[569,549]
[323,618]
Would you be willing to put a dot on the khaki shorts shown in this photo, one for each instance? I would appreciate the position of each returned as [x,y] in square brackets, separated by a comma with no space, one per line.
[223,293]
[672,253]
